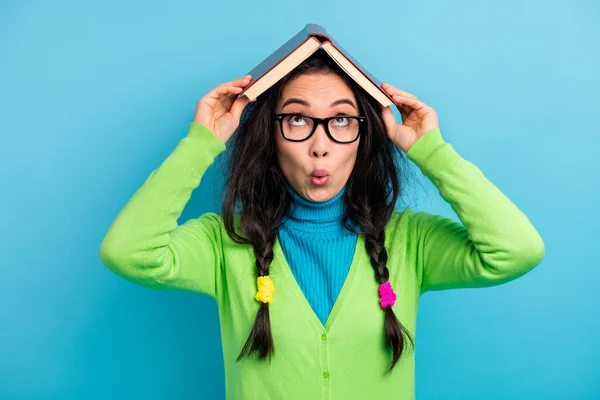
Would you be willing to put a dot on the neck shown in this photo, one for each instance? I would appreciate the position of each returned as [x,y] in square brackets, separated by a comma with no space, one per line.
[316,215]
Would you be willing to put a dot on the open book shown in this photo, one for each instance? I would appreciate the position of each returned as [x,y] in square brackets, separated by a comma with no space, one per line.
[299,48]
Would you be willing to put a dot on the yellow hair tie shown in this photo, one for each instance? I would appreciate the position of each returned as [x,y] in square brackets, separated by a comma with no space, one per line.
[265,289]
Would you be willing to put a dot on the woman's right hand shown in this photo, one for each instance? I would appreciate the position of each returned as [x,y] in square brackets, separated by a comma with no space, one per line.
[220,111]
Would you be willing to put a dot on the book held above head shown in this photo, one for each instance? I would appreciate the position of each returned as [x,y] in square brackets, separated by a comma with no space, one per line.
[310,39]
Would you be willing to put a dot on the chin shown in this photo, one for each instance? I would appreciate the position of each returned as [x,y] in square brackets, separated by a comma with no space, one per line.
[320,193]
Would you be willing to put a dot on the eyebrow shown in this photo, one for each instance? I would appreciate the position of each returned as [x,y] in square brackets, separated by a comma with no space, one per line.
[293,100]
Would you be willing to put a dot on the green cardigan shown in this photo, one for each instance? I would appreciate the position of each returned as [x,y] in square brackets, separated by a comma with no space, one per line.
[346,358]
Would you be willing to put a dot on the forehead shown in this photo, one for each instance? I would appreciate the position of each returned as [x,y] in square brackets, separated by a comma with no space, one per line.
[319,90]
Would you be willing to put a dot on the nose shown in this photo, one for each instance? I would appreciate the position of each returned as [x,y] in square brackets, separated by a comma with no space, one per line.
[320,141]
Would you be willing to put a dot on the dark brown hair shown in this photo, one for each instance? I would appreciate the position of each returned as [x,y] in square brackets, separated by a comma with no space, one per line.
[255,180]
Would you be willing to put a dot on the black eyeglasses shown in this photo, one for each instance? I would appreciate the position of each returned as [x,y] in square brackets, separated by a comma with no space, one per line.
[340,128]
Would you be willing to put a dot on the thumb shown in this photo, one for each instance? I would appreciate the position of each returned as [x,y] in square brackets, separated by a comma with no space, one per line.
[237,107]
[388,118]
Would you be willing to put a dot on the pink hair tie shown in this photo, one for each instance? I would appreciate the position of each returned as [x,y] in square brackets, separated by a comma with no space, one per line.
[387,295]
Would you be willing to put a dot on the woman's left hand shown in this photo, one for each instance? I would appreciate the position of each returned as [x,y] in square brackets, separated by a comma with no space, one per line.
[417,118]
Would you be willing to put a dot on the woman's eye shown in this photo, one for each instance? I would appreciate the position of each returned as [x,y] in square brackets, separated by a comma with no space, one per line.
[344,120]
[296,116]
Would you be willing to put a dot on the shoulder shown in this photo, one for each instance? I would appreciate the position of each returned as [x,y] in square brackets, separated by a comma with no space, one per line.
[409,220]
[396,230]
[412,227]
[216,220]
[208,226]
[400,222]
[403,227]
[208,219]
[213,224]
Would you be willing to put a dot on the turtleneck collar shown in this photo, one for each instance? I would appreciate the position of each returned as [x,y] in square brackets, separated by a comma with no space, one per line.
[308,215]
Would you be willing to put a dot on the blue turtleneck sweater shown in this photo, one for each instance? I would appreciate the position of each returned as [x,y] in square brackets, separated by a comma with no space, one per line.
[318,248]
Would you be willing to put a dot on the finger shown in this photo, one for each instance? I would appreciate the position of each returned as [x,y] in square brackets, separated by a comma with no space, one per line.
[404,110]
[228,102]
[388,118]
[409,101]
[392,90]
[218,95]
[241,81]
[220,92]
[238,107]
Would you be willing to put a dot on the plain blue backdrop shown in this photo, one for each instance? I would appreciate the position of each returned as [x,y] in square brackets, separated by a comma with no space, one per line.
[93,96]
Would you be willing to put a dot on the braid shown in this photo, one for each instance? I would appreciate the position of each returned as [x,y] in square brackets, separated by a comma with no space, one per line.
[260,339]
[394,330]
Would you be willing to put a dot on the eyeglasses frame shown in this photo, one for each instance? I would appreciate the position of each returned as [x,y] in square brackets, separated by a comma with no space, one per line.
[316,122]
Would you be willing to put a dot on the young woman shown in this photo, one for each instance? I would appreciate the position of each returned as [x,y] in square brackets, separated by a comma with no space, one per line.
[316,273]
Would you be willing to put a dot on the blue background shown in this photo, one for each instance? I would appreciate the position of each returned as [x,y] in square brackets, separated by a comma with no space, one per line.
[93,96]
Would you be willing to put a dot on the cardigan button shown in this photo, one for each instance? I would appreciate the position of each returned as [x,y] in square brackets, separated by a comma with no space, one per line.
[325,374]
[323,337]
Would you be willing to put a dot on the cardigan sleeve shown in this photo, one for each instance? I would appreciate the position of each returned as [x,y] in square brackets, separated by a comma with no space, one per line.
[145,244]
[495,243]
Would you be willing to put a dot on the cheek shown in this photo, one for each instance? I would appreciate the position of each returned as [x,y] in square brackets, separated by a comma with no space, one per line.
[351,157]
[288,158]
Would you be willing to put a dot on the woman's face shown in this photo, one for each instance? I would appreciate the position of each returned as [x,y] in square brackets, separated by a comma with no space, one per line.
[312,95]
